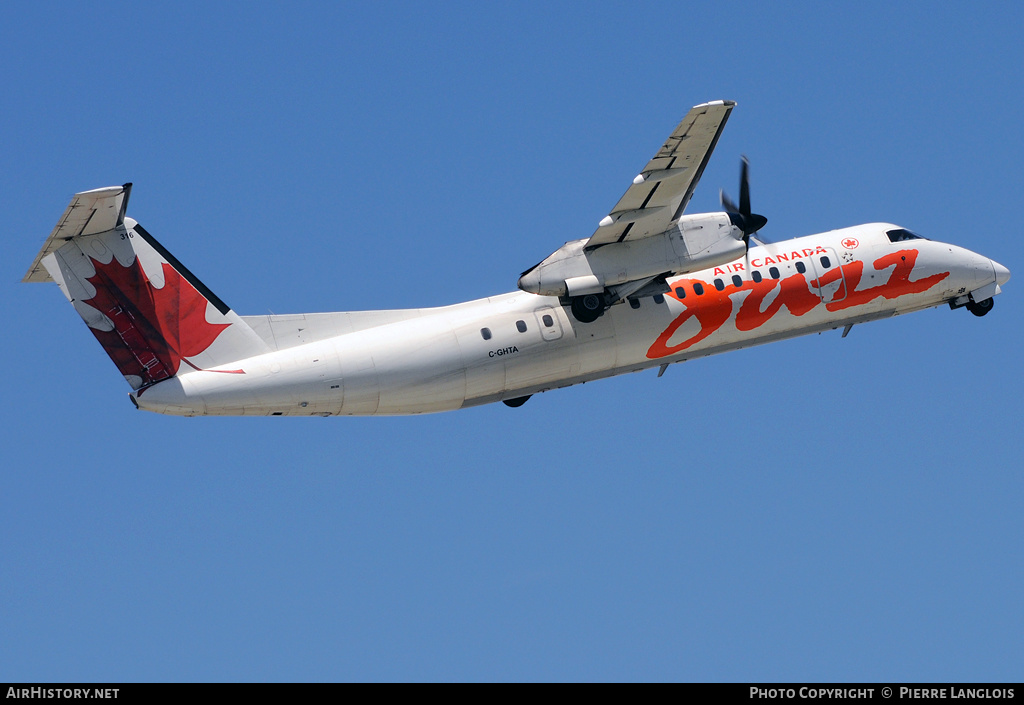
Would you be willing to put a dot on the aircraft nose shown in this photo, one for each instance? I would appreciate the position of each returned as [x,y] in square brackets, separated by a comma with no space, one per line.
[1002,273]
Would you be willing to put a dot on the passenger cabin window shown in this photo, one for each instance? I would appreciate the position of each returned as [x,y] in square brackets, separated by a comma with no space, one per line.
[826,262]
[719,284]
[521,326]
[680,292]
[774,271]
[658,299]
[634,303]
[899,235]
[698,288]
[756,276]
[486,333]
[737,280]
[801,267]
[548,320]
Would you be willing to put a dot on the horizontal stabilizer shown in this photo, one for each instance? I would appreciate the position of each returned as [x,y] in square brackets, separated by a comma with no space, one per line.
[89,213]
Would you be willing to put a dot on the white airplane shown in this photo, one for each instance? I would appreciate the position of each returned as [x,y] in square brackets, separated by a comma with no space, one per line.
[649,288]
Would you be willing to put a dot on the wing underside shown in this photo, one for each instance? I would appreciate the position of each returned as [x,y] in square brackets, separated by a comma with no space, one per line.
[659,194]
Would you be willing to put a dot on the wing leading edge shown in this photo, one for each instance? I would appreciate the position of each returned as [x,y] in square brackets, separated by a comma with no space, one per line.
[659,194]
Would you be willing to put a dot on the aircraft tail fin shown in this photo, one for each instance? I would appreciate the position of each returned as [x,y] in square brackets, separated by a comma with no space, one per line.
[151,315]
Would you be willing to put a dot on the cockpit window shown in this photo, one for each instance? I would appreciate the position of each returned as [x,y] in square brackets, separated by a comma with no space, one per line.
[900,234]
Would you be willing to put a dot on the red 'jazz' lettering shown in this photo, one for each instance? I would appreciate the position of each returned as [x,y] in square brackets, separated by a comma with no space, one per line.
[713,309]
[793,294]
[898,283]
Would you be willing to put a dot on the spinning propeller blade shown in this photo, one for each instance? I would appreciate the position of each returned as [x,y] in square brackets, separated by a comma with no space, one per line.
[742,217]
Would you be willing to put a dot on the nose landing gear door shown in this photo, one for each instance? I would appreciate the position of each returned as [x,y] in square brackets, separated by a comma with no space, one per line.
[828,277]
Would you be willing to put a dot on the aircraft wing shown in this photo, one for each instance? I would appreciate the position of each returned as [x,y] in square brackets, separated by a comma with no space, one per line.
[89,213]
[661,191]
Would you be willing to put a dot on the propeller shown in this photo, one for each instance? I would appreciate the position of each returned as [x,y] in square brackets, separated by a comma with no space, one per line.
[741,217]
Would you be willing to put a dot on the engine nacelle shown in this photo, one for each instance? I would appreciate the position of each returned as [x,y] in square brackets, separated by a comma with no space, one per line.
[692,243]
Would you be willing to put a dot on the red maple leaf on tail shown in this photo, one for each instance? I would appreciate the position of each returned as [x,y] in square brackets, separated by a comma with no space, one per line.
[154,328]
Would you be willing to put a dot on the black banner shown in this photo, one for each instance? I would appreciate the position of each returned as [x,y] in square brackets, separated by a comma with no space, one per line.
[761,692]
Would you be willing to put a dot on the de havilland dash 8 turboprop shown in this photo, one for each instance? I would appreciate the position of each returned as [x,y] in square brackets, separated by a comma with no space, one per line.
[650,287]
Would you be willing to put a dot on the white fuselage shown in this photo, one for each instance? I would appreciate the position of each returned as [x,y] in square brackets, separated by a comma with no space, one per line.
[513,345]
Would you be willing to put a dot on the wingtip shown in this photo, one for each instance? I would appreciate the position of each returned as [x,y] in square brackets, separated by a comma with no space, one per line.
[104,192]
[726,103]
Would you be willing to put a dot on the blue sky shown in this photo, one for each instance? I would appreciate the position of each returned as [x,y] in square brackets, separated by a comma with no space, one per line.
[817,509]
